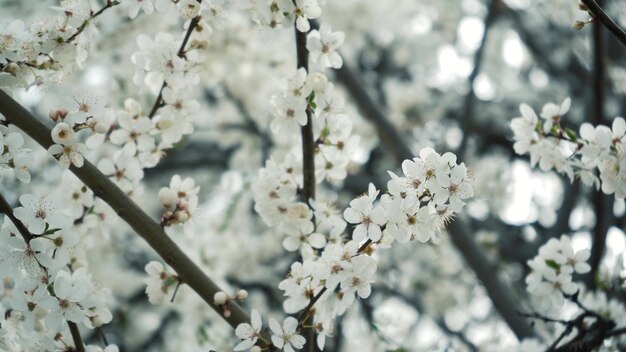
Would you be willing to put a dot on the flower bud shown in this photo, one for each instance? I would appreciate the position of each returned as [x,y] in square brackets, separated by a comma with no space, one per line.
[57,114]
[318,81]
[241,295]
[578,25]
[220,298]
[167,197]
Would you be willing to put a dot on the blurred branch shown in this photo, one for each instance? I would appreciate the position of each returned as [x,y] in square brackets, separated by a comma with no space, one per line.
[134,216]
[599,15]
[466,118]
[251,124]
[418,305]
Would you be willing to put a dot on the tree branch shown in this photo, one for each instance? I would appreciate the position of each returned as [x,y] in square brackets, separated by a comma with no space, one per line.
[78,340]
[599,199]
[141,223]
[600,15]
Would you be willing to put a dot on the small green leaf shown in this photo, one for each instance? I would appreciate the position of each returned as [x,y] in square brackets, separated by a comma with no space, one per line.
[551,263]
[570,134]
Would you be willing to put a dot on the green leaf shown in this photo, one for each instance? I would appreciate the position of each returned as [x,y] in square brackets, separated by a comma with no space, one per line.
[554,265]
[571,134]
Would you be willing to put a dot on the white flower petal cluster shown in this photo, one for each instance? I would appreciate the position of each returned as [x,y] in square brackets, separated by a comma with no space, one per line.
[418,205]
[552,269]
[158,62]
[48,50]
[553,147]
[180,201]
[14,159]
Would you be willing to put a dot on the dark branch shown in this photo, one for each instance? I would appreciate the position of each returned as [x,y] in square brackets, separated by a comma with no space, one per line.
[78,340]
[600,15]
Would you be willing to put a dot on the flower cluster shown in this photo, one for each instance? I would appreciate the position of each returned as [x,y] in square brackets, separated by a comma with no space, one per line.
[45,294]
[323,44]
[180,200]
[14,159]
[277,186]
[552,270]
[49,49]
[417,206]
[554,147]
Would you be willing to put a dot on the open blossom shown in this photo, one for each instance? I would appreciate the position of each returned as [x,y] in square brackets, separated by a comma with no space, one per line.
[249,333]
[159,282]
[285,337]
[65,305]
[552,113]
[323,45]
[39,214]
[69,154]
[369,218]
[305,10]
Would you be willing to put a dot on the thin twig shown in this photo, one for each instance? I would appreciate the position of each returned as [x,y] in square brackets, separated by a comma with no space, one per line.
[181,53]
[82,27]
[601,16]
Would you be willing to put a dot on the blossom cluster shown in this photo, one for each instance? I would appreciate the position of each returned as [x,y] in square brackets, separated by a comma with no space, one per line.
[87,113]
[554,147]
[14,159]
[417,206]
[45,294]
[552,270]
[47,50]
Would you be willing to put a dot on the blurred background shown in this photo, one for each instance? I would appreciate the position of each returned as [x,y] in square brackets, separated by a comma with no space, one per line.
[447,74]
